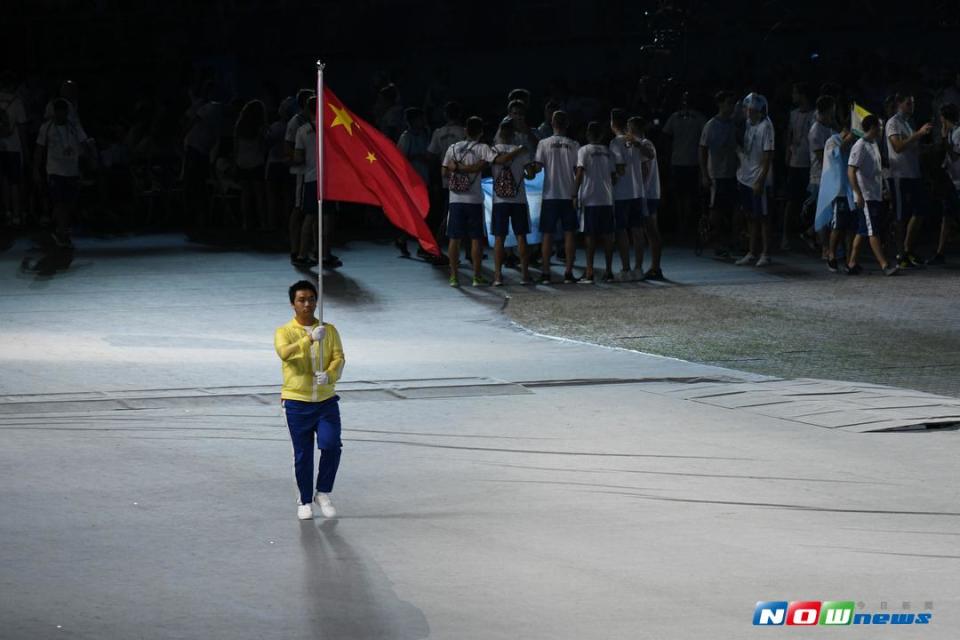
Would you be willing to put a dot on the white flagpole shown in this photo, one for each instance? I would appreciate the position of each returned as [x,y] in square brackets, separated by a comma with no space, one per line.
[320,128]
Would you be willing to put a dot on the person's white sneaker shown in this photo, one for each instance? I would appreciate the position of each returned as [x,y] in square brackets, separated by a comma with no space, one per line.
[322,500]
[747,259]
[304,512]
[763,261]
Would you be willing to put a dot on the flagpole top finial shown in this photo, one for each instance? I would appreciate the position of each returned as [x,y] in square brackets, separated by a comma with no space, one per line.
[320,65]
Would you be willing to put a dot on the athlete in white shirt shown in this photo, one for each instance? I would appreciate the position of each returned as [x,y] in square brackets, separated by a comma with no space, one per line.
[718,169]
[907,193]
[950,139]
[866,178]
[650,169]
[594,192]
[462,164]
[510,200]
[628,194]
[755,176]
[557,158]
[60,143]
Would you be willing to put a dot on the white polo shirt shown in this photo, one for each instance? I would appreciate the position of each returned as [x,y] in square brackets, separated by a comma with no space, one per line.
[63,143]
[629,186]
[558,155]
[907,163]
[468,152]
[757,141]
[865,156]
[596,190]
[817,138]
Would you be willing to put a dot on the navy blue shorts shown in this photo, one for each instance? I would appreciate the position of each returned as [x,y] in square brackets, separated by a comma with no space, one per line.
[628,214]
[652,205]
[869,218]
[907,197]
[554,211]
[465,221]
[309,204]
[798,179]
[598,220]
[63,189]
[843,218]
[514,214]
[723,194]
[757,206]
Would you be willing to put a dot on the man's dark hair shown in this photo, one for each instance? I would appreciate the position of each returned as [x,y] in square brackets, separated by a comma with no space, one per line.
[302,96]
[618,117]
[302,285]
[560,120]
[722,96]
[901,97]
[517,104]
[551,106]
[637,124]
[474,127]
[61,104]
[594,132]
[830,89]
[825,103]
[412,113]
[523,95]
[453,111]
[870,122]
[950,112]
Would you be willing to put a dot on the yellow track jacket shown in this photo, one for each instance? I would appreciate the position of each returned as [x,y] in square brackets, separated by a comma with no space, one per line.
[300,360]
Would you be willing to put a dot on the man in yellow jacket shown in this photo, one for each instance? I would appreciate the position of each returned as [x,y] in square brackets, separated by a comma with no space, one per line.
[313,361]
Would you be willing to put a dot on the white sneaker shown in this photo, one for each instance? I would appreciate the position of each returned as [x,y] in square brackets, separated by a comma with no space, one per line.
[763,261]
[304,512]
[322,500]
[747,259]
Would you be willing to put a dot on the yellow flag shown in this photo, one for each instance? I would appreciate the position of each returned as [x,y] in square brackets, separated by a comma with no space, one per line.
[857,114]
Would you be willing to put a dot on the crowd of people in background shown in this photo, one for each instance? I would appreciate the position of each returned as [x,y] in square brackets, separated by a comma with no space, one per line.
[745,180]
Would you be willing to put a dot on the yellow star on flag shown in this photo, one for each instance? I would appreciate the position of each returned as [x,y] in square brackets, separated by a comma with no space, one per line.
[341,118]
[371,157]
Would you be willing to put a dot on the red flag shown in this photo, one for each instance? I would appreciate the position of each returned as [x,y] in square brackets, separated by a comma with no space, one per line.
[360,164]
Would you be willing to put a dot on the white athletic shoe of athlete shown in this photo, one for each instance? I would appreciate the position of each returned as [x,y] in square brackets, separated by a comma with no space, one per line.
[322,500]
[747,259]
[304,512]
[763,261]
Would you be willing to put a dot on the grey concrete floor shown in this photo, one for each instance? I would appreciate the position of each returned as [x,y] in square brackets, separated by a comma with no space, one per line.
[495,484]
[792,319]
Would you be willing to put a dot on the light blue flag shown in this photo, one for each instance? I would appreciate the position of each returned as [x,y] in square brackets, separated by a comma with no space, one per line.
[833,181]
[534,198]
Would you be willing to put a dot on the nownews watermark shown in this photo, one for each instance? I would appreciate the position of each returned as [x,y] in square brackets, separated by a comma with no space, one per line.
[838,613]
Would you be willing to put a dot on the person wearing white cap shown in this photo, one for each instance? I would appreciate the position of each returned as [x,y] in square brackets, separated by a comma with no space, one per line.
[755,178]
